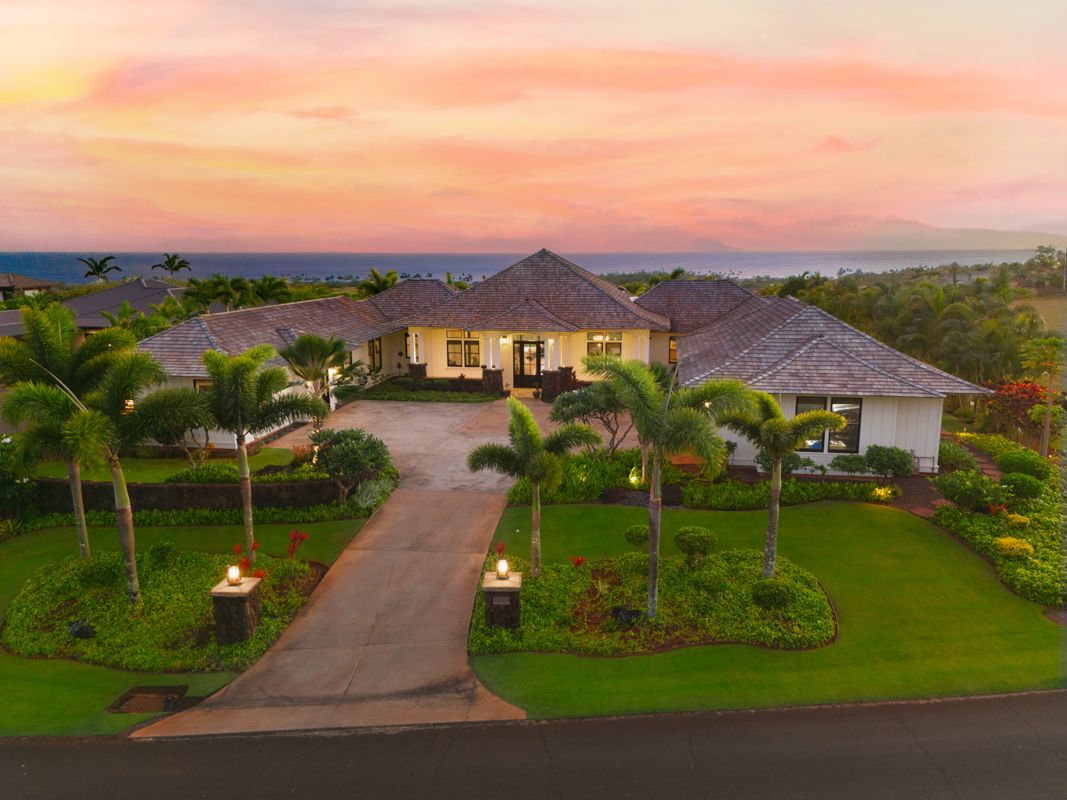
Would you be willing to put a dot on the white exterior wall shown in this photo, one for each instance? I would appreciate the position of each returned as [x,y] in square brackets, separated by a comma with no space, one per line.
[912,423]
[660,350]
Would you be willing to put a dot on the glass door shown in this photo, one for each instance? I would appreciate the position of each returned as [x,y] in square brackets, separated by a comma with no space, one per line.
[528,356]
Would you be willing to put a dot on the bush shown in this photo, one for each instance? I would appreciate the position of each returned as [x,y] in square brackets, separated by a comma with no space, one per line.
[351,456]
[206,473]
[1025,461]
[695,542]
[794,462]
[1013,547]
[889,462]
[992,444]
[773,593]
[853,464]
[17,488]
[738,496]
[637,535]
[1022,486]
[970,489]
[953,456]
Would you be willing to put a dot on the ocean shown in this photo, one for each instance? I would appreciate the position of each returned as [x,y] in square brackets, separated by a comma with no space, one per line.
[65,267]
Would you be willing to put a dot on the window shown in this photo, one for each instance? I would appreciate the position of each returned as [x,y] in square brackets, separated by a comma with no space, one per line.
[462,348]
[374,352]
[407,345]
[604,343]
[846,440]
[811,404]
[201,386]
[672,350]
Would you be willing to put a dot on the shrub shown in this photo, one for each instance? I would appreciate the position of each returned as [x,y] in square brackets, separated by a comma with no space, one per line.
[1013,547]
[160,555]
[1016,520]
[853,464]
[350,456]
[1026,462]
[794,462]
[991,444]
[773,593]
[206,473]
[889,462]
[970,489]
[695,542]
[1022,486]
[953,456]
[738,496]
[637,535]
[17,488]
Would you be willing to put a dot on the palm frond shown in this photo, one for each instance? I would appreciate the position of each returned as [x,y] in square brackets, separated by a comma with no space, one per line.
[38,403]
[567,437]
[523,433]
[637,389]
[286,408]
[497,457]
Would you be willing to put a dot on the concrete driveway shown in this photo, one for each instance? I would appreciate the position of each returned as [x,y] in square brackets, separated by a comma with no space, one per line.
[383,640]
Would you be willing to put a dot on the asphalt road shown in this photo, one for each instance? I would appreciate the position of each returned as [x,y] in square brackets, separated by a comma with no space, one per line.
[1007,747]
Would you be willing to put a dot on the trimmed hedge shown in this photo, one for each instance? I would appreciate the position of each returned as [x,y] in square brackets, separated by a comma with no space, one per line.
[586,476]
[973,490]
[738,496]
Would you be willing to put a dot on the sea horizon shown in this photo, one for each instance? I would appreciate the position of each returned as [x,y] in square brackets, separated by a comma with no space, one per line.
[342,266]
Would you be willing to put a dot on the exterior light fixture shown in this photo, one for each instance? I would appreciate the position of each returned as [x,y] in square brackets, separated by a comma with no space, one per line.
[127,407]
[502,572]
[233,575]
[504,338]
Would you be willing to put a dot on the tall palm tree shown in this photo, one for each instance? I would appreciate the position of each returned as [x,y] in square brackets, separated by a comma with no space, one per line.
[270,289]
[52,352]
[1045,357]
[451,281]
[199,294]
[323,366]
[176,417]
[245,399]
[530,455]
[99,268]
[670,420]
[172,264]
[375,283]
[767,428]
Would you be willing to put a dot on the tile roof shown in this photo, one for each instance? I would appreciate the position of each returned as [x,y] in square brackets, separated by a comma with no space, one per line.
[692,304]
[11,322]
[412,296]
[526,317]
[571,294]
[783,345]
[12,280]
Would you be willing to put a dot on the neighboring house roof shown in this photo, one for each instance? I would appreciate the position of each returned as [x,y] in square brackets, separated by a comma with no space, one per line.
[567,292]
[12,280]
[11,322]
[783,345]
[412,296]
[692,304]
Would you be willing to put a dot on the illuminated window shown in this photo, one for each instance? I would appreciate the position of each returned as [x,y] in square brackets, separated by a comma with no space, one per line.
[374,352]
[672,350]
[846,440]
[815,445]
[604,343]
[462,348]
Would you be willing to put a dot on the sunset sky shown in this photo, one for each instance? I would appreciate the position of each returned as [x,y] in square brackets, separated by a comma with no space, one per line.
[442,125]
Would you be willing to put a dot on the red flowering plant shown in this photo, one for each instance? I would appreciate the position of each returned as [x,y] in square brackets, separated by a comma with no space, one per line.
[1012,401]
[498,548]
[577,561]
[296,538]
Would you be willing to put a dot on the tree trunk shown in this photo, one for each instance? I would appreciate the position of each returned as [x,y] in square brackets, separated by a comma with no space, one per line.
[124,518]
[74,475]
[535,525]
[1046,433]
[644,462]
[770,547]
[655,508]
[246,496]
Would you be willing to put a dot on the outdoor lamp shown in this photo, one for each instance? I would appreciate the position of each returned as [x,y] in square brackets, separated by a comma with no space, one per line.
[502,569]
[233,575]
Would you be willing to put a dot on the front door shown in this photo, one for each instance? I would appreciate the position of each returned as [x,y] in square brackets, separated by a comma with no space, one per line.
[528,357]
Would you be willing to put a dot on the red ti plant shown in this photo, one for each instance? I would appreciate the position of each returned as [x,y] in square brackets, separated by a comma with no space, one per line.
[296,538]
[577,561]
[498,548]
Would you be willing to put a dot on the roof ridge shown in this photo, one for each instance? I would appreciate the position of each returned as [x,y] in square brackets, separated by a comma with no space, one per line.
[615,292]
[209,334]
[280,305]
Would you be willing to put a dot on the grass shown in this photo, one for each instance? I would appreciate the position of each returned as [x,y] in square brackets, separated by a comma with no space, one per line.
[57,697]
[920,616]
[1052,306]
[155,470]
[403,389]
[953,424]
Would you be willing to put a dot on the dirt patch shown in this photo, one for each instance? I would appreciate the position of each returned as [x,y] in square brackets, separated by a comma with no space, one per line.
[1057,615]
[152,699]
[317,571]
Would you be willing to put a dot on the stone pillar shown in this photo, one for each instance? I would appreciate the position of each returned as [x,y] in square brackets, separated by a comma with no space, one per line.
[493,381]
[237,610]
[417,372]
[566,378]
[502,600]
[550,384]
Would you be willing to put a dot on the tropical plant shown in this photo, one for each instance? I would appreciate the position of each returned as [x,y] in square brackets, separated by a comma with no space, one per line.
[461,285]
[172,264]
[98,268]
[179,418]
[531,455]
[140,325]
[323,365]
[767,428]
[52,354]
[246,399]
[669,421]
[887,461]
[270,289]
[376,283]
[596,401]
[350,457]
[1045,356]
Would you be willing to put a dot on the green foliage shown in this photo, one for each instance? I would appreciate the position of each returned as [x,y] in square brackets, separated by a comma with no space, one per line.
[637,535]
[17,488]
[695,542]
[586,476]
[349,456]
[174,631]
[991,444]
[1013,547]
[889,462]
[1025,461]
[431,390]
[206,473]
[953,456]
[569,610]
[1022,486]
[737,496]
[852,464]
[971,489]
[794,462]
[773,593]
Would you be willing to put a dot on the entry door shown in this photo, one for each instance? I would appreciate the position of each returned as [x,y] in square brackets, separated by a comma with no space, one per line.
[528,357]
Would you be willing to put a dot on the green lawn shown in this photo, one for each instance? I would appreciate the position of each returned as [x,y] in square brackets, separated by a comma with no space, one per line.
[54,697]
[920,616]
[952,424]
[1052,306]
[154,470]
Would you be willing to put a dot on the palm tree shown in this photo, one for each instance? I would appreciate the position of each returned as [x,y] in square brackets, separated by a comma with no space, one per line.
[199,294]
[270,289]
[670,420]
[376,283]
[172,264]
[529,455]
[53,353]
[322,365]
[778,437]
[99,268]
[461,285]
[176,417]
[245,401]
[1045,357]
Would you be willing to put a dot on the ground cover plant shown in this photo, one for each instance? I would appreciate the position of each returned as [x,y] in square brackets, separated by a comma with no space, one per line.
[156,470]
[427,390]
[63,697]
[734,495]
[920,615]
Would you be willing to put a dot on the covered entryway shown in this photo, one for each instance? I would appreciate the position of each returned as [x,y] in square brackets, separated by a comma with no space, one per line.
[528,357]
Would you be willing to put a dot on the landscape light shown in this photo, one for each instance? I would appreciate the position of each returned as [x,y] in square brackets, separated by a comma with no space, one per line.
[233,575]
[502,569]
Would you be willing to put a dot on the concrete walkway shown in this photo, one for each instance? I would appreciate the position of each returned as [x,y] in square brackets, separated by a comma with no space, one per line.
[383,640]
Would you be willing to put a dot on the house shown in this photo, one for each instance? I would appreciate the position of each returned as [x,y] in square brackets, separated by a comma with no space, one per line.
[530,325]
[13,285]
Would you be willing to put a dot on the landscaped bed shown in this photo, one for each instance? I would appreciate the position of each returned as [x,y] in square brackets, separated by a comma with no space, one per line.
[427,390]
[570,609]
